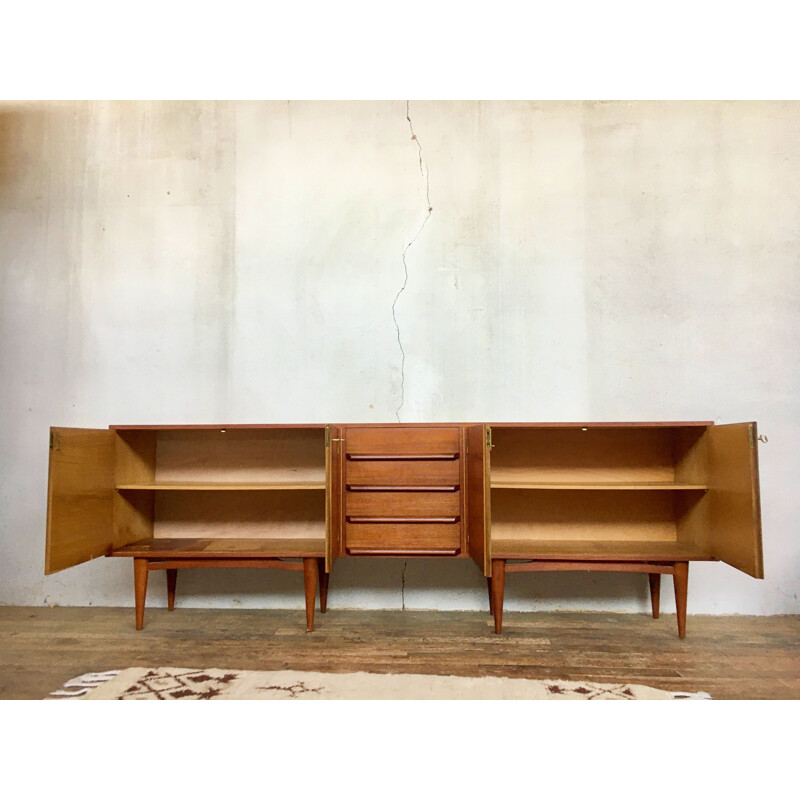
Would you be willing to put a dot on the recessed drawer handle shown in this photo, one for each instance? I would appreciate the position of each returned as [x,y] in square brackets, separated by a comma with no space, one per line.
[365,551]
[402,456]
[413,520]
[360,487]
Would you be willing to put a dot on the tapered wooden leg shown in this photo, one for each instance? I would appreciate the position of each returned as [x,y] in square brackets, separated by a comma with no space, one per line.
[498,587]
[172,578]
[491,601]
[323,585]
[140,589]
[681,579]
[655,591]
[310,573]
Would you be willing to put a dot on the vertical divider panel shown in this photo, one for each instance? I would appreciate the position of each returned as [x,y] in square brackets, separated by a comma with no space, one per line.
[135,462]
[478,524]
[333,495]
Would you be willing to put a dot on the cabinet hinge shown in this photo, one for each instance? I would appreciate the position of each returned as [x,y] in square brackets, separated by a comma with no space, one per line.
[327,436]
[489,444]
[51,440]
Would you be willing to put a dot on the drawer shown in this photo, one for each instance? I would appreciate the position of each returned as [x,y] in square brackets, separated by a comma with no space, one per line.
[402,473]
[403,538]
[402,441]
[411,505]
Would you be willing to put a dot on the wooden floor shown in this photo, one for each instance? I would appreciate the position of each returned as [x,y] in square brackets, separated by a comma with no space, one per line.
[735,657]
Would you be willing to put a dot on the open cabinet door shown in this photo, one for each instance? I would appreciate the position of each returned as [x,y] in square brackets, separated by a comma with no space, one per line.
[734,502]
[478,497]
[333,495]
[80,497]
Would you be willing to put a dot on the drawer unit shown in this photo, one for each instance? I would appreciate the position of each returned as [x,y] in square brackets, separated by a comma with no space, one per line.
[403,490]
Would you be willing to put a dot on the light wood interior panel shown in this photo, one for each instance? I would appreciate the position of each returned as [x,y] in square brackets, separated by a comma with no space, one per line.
[690,451]
[692,512]
[80,497]
[734,497]
[582,516]
[556,550]
[135,456]
[134,514]
[594,455]
[248,455]
[282,515]
[222,547]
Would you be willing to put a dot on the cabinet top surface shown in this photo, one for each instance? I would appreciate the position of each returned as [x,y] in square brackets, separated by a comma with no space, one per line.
[320,426]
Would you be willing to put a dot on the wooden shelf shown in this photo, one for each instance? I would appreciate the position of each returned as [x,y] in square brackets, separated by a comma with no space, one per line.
[549,549]
[599,486]
[216,486]
[305,547]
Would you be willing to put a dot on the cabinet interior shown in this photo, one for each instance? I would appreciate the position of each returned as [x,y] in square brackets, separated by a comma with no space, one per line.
[221,483]
[598,485]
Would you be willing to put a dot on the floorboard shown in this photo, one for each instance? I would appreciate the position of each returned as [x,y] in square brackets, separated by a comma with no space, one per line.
[731,657]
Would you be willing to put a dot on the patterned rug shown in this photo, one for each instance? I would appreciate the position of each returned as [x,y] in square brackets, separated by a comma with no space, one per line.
[175,683]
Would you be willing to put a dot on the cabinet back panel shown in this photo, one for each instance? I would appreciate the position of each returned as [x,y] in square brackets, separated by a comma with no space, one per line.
[579,515]
[595,455]
[241,455]
[244,515]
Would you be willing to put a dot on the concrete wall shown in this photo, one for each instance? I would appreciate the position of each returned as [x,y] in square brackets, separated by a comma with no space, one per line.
[243,262]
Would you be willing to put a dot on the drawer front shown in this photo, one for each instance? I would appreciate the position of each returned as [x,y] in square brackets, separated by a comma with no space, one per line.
[394,505]
[403,538]
[402,473]
[402,441]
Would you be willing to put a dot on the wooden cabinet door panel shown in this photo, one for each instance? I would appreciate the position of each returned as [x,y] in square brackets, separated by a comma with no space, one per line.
[734,500]
[80,497]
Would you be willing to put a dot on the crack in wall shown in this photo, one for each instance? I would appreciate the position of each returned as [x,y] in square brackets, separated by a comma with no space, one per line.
[423,168]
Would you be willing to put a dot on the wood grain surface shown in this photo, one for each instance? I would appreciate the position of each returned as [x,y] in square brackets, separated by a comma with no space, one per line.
[731,657]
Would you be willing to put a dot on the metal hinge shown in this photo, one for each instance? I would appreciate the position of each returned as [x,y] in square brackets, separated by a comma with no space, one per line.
[327,436]
[754,438]
[51,440]
[489,444]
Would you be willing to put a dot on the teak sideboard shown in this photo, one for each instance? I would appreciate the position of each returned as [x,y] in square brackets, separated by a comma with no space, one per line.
[514,497]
